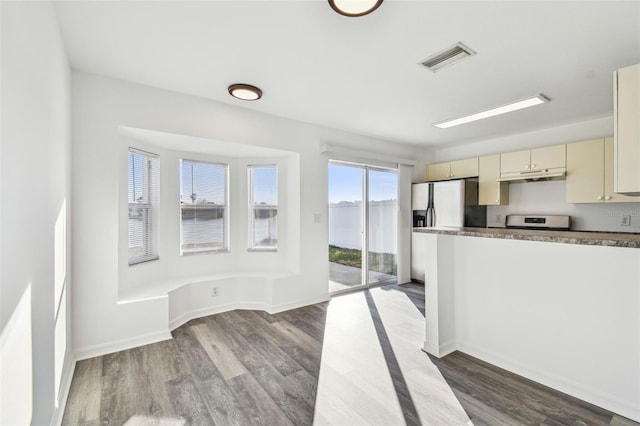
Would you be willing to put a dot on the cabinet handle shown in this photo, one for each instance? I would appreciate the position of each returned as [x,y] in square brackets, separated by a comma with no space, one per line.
[451,175]
[599,197]
[608,197]
[533,166]
[526,166]
[497,201]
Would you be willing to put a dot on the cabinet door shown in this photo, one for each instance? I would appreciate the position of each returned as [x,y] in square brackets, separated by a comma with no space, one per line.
[490,191]
[609,195]
[548,157]
[627,137]
[464,168]
[438,171]
[515,161]
[585,172]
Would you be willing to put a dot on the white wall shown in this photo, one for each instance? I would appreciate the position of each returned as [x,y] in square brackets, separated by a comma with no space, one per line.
[35,295]
[100,107]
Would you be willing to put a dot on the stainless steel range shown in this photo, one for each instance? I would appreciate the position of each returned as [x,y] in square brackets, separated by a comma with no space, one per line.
[549,222]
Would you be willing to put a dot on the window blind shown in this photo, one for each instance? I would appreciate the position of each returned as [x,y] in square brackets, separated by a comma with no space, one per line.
[263,207]
[203,207]
[143,197]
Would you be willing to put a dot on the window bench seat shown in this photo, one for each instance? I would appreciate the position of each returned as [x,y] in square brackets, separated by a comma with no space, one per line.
[194,297]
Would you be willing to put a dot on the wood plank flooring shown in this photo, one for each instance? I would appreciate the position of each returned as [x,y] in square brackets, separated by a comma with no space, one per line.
[239,367]
[355,360]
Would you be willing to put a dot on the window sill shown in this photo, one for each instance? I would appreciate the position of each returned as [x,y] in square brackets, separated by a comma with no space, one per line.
[199,253]
[140,262]
[265,249]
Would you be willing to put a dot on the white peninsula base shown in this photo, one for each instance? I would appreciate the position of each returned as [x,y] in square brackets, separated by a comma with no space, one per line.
[564,315]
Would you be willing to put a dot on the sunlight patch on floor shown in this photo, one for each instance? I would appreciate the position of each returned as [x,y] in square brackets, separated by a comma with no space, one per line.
[355,385]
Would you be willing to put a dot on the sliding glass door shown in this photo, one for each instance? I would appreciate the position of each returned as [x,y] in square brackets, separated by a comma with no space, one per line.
[363,209]
[382,223]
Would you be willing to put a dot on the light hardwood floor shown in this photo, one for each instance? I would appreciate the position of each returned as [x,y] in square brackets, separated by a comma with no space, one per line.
[355,360]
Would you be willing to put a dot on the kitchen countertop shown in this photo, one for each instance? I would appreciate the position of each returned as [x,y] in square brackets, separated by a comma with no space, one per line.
[611,239]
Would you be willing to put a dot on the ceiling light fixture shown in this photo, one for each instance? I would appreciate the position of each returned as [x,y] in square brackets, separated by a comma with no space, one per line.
[353,8]
[514,106]
[245,92]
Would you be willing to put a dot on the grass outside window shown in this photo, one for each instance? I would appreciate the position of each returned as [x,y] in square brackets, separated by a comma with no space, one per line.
[378,262]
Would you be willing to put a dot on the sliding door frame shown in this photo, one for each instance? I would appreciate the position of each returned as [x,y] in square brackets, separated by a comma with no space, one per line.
[364,231]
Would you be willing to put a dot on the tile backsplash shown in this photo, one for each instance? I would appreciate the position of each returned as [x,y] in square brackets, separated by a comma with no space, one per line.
[549,197]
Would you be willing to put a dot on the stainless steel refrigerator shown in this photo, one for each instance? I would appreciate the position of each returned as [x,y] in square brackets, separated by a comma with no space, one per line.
[451,203]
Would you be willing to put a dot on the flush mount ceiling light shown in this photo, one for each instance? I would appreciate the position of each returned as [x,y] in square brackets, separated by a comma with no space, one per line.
[246,92]
[354,8]
[514,106]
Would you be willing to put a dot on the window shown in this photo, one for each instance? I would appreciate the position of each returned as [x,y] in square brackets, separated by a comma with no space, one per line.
[203,207]
[143,196]
[263,207]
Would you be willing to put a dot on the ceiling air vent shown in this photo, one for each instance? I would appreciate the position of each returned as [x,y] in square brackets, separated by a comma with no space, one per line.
[447,57]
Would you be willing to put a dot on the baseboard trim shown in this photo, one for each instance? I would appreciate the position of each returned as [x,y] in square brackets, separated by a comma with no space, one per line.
[447,347]
[297,304]
[577,390]
[441,350]
[203,312]
[65,386]
[256,306]
[120,345]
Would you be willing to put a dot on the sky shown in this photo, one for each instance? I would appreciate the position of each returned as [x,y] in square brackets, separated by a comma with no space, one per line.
[345,184]
[265,184]
[205,180]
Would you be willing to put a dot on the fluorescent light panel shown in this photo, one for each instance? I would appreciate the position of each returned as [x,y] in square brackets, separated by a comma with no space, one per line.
[514,106]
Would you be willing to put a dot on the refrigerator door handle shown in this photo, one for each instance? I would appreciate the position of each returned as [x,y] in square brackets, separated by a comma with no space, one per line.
[431,211]
[431,217]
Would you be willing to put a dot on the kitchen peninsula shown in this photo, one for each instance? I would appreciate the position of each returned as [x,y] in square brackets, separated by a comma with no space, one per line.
[559,307]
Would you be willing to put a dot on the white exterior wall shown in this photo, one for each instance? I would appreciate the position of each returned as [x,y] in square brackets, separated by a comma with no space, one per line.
[100,106]
[35,310]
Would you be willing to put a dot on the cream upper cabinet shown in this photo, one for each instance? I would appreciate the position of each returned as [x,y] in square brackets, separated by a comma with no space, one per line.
[609,195]
[490,191]
[585,171]
[548,157]
[438,171]
[453,170]
[590,173]
[627,130]
[515,161]
[464,168]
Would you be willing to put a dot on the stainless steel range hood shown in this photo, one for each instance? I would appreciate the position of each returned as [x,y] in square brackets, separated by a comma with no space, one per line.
[534,175]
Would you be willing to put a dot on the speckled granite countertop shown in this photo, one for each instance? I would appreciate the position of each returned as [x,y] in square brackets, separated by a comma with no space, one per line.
[612,239]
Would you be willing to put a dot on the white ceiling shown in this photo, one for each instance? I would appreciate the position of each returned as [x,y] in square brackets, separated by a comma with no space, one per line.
[362,74]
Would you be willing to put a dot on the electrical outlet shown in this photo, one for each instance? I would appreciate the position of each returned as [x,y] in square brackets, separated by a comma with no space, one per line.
[317,218]
[625,220]
[498,218]
[214,292]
